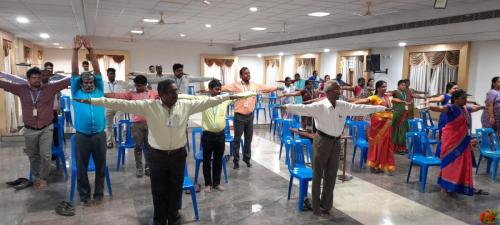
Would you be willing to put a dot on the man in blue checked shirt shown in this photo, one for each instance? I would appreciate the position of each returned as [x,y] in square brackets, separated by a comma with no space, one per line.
[90,122]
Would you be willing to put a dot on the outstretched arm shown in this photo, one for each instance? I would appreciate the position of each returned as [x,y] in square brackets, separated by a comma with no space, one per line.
[438,108]
[135,107]
[195,79]
[13,78]
[93,58]
[476,108]
[362,101]
[439,98]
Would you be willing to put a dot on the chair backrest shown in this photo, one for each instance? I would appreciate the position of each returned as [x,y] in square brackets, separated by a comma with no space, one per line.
[487,139]
[358,129]
[129,141]
[415,124]
[227,128]
[65,102]
[425,115]
[191,90]
[273,94]
[196,131]
[418,144]
[275,112]
[287,124]
[60,133]
[73,156]
[298,159]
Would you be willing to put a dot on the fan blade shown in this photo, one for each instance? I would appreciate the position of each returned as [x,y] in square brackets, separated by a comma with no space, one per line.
[172,23]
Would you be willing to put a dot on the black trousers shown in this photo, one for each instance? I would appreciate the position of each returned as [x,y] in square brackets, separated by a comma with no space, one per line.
[213,146]
[167,177]
[55,138]
[243,124]
[85,145]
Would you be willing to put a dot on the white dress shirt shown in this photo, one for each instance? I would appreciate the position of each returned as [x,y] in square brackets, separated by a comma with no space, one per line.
[166,126]
[331,120]
[181,83]
[116,87]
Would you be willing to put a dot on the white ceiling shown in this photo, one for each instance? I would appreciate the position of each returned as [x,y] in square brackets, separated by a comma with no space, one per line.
[63,19]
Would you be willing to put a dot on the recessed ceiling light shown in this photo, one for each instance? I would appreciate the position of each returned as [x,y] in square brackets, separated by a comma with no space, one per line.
[440,4]
[149,20]
[318,14]
[258,28]
[55,43]
[326,50]
[208,25]
[402,44]
[206,2]
[182,35]
[60,47]
[253,9]
[136,31]
[22,19]
[259,55]
[44,35]
[281,53]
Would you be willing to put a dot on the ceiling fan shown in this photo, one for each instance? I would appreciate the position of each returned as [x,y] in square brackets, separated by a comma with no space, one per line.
[131,39]
[163,19]
[211,43]
[283,30]
[369,11]
[240,39]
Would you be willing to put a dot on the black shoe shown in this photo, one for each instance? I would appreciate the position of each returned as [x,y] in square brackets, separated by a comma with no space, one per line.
[146,172]
[16,182]
[249,165]
[65,209]
[236,166]
[23,185]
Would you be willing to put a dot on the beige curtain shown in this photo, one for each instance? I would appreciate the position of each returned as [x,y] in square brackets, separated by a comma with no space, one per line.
[10,99]
[272,71]
[220,69]
[305,66]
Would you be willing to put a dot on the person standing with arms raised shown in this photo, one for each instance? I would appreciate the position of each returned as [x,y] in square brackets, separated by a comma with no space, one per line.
[330,115]
[243,114]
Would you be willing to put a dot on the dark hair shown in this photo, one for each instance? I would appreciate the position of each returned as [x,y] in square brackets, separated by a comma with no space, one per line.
[85,62]
[493,81]
[214,83]
[296,74]
[378,85]
[111,70]
[287,78]
[457,94]
[315,71]
[339,74]
[326,76]
[401,82]
[164,86]
[242,69]
[369,80]
[151,66]
[308,82]
[48,64]
[33,71]
[177,66]
[360,79]
[450,85]
[140,79]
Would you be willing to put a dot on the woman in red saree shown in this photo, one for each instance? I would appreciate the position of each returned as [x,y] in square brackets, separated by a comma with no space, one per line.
[456,150]
[381,148]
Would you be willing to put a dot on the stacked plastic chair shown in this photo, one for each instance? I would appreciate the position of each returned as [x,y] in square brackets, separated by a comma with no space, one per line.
[198,155]
[420,154]
[298,169]
[489,149]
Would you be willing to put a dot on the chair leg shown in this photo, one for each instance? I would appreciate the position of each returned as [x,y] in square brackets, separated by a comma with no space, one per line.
[265,115]
[123,155]
[409,172]
[108,181]
[58,162]
[495,167]
[301,195]
[281,149]
[353,154]
[231,148]
[63,162]
[423,171]
[479,161]
[73,185]
[224,168]
[195,203]
[290,187]
[488,165]
[118,161]
[196,171]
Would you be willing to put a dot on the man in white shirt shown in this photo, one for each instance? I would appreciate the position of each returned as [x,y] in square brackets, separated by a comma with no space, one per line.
[331,113]
[167,155]
[112,86]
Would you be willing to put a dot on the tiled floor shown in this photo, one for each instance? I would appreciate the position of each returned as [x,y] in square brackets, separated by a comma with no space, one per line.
[252,196]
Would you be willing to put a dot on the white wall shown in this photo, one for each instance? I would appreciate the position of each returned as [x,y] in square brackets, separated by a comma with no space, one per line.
[328,63]
[288,64]
[484,65]
[255,65]
[144,53]
[392,59]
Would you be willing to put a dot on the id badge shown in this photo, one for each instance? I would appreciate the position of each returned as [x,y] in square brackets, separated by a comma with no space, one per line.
[35,112]
[245,104]
[406,107]
[170,123]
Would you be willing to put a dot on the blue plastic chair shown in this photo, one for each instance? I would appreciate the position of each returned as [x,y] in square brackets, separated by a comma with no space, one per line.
[358,131]
[258,108]
[275,119]
[188,185]
[418,125]
[66,109]
[420,154]
[488,148]
[230,109]
[428,124]
[273,100]
[124,144]
[191,90]
[229,137]
[298,169]
[286,134]
[90,169]
[198,156]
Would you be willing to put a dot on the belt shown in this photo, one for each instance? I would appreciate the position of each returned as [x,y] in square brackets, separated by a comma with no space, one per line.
[250,114]
[222,132]
[328,136]
[168,152]
[34,128]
